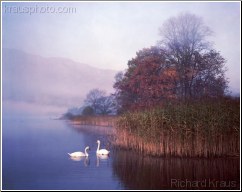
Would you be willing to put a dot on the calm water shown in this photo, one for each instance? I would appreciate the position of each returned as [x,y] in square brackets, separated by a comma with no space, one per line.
[35,157]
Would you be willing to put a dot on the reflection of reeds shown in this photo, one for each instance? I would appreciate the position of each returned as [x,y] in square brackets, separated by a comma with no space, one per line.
[201,129]
[144,172]
[107,121]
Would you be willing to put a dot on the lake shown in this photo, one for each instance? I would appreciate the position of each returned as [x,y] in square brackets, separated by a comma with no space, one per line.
[34,157]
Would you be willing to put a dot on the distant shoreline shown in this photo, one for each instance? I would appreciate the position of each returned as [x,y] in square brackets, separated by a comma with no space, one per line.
[105,121]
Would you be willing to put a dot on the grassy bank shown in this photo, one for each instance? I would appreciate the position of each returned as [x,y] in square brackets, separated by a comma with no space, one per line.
[204,129]
[107,121]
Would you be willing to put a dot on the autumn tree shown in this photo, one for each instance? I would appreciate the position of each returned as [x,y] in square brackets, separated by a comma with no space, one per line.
[200,69]
[208,76]
[148,81]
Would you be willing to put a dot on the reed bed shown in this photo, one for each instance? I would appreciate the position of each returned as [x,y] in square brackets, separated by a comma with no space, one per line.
[199,129]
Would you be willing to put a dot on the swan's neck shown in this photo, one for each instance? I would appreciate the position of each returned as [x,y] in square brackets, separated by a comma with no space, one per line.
[98,146]
[86,152]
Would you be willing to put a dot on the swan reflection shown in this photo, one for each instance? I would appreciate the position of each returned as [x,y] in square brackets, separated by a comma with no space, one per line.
[101,158]
[86,160]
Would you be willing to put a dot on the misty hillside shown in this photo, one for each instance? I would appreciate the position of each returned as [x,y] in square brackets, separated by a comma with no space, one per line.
[55,82]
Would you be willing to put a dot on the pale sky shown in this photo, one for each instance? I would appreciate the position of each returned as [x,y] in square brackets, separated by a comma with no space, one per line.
[108,34]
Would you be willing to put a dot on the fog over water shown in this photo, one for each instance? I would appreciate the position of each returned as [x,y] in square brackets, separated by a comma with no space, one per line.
[51,60]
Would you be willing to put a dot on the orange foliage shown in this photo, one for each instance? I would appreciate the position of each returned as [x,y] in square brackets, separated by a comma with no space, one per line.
[149,80]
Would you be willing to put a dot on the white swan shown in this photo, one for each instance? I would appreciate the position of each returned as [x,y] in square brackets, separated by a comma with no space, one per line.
[79,153]
[101,151]
[74,158]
